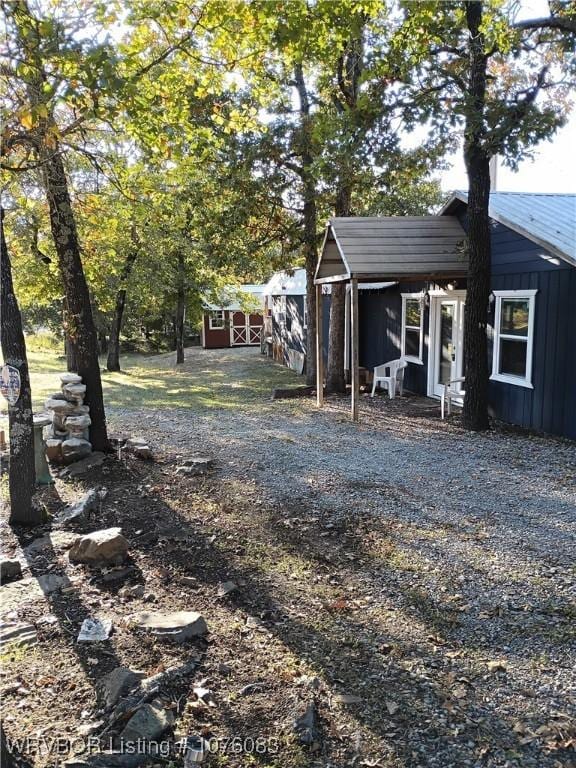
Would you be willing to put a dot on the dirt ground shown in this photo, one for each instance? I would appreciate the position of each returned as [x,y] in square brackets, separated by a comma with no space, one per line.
[413,582]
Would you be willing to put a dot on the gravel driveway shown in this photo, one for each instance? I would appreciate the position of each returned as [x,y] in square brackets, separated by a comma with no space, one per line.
[461,548]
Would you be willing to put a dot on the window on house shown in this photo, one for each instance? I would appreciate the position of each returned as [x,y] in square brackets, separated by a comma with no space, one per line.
[412,327]
[216,319]
[280,310]
[513,337]
[289,309]
[305,313]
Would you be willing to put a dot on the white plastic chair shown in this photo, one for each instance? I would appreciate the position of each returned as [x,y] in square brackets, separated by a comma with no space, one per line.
[447,394]
[394,381]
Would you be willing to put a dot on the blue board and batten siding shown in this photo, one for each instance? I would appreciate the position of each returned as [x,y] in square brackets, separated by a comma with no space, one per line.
[518,263]
[293,335]
[380,332]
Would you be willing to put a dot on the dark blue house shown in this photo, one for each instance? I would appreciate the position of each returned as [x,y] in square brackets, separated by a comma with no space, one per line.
[532,312]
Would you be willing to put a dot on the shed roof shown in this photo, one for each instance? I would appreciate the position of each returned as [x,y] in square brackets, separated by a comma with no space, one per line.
[233,297]
[287,283]
[392,248]
[547,219]
[293,283]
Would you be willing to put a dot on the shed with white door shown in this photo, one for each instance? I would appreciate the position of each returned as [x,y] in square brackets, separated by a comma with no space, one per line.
[234,319]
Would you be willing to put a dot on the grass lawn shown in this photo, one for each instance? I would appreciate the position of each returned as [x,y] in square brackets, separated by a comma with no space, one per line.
[156,382]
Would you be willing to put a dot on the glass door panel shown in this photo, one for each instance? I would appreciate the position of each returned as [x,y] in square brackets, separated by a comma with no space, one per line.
[446,340]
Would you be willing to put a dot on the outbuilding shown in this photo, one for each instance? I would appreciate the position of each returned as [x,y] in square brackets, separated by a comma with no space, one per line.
[532,311]
[235,320]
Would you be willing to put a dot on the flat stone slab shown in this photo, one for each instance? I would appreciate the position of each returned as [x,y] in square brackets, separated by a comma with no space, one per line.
[61,406]
[56,541]
[75,449]
[17,632]
[195,466]
[83,466]
[104,546]
[78,422]
[117,683]
[148,723]
[175,627]
[42,419]
[70,378]
[79,512]
[30,590]
[74,389]
[134,442]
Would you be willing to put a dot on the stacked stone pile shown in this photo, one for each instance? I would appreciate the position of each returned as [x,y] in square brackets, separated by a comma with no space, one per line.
[67,438]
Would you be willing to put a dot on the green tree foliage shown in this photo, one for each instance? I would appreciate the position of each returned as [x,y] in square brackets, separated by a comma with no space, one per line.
[504,85]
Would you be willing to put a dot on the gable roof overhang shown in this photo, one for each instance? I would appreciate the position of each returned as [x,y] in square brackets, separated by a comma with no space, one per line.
[548,220]
[392,248]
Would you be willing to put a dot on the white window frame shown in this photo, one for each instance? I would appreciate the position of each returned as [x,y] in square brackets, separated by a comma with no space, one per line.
[211,320]
[519,295]
[411,358]
[305,313]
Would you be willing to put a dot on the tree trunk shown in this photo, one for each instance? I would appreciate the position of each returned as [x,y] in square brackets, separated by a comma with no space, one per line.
[310,228]
[475,412]
[335,374]
[81,329]
[180,310]
[348,73]
[102,342]
[22,476]
[335,378]
[113,361]
[71,360]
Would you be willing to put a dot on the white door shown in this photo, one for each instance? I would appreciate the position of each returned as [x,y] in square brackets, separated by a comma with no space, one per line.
[446,342]
[242,331]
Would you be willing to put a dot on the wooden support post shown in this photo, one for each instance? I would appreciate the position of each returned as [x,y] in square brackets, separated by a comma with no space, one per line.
[319,349]
[354,347]
[347,335]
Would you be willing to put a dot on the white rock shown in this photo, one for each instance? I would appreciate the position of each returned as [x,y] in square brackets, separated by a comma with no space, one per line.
[134,442]
[95,630]
[70,378]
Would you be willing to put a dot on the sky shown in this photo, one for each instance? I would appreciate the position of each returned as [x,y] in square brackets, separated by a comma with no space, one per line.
[553,168]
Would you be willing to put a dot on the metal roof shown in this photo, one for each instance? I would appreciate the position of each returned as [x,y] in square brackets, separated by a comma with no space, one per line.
[392,248]
[234,297]
[287,283]
[293,283]
[547,219]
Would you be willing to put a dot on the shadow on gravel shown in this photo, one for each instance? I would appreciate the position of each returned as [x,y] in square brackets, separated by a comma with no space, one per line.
[431,726]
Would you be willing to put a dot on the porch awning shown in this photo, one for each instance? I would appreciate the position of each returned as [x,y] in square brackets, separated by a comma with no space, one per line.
[392,248]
